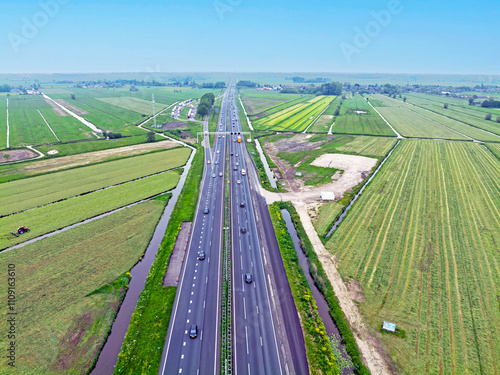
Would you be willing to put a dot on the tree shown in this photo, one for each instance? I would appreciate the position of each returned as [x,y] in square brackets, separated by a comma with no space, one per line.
[150,137]
[404,99]
[498,119]
[488,116]
[337,111]
[73,96]
[445,105]
[471,101]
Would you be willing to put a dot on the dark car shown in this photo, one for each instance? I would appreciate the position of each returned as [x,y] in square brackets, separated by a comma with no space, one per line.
[205,211]
[243,230]
[201,255]
[235,168]
[248,279]
[193,331]
[242,204]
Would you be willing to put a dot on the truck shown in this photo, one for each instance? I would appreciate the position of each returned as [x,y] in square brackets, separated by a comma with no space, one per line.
[243,172]
[239,139]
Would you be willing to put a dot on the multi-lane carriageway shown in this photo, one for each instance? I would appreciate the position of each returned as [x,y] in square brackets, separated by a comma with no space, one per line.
[261,343]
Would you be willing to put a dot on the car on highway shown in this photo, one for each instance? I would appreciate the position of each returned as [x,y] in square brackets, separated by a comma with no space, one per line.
[208,162]
[216,162]
[237,164]
[242,204]
[220,174]
[236,155]
[205,211]
[218,151]
[235,168]
[238,182]
[201,255]
[213,175]
[193,331]
[248,279]
[243,230]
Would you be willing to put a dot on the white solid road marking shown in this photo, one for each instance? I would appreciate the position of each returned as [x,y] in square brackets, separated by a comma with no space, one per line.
[246,337]
[244,308]
[261,341]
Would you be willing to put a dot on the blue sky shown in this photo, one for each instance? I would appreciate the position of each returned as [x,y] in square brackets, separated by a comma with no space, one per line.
[395,36]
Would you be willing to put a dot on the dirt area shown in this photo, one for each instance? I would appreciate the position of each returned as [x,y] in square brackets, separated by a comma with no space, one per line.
[178,253]
[57,110]
[174,125]
[72,107]
[64,162]
[372,351]
[285,171]
[15,155]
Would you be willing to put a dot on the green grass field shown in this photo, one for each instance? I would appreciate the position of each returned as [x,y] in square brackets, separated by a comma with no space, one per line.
[368,146]
[326,214]
[357,117]
[257,102]
[409,124]
[439,119]
[423,243]
[48,218]
[68,289]
[134,104]
[36,191]
[494,148]
[295,118]
[458,109]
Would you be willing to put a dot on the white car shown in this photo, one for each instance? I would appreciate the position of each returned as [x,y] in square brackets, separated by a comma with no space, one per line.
[238,182]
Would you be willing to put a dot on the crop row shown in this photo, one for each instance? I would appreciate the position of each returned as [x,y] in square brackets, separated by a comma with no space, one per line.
[422,241]
[48,218]
[36,191]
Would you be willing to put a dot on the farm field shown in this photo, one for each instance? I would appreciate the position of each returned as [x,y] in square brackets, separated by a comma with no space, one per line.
[134,104]
[494,148]
[48,218]
[17,171]
[27,127]
[68,289]
[259,103]
[409,124]
[118,119]
[458,109]
[357,117]
[295,118]
[325,216]
[93,145]
[423,243]
[421,113]
[36,191]
[368,146]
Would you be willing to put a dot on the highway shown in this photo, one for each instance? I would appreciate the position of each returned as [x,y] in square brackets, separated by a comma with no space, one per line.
[267,335]
[199,291]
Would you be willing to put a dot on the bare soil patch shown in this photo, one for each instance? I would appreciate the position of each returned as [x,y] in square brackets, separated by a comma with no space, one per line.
[57,110]
[16,155]
[72,107]
[174,125]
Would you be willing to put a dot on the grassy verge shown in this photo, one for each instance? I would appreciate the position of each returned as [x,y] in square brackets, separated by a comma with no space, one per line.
[70,291]
[49,218]
[323,284]
[143,346]
[319,354]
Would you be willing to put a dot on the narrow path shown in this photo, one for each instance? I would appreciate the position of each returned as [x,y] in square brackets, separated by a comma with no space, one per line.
[49,126]
[331,128]
[387,122]
[79,118]
[8,129]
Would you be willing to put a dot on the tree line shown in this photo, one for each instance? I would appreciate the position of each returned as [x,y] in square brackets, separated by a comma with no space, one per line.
[331,88]
[206,102]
